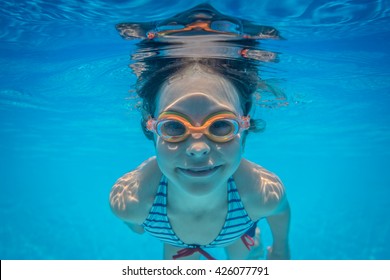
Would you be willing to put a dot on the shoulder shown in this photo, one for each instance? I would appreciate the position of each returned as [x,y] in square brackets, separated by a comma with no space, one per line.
[262,192]
[132,195]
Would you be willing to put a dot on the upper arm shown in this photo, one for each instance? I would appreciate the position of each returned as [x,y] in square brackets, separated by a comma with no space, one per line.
[124,199]
[130,195]
[263,192]
[272,192]
[277,210]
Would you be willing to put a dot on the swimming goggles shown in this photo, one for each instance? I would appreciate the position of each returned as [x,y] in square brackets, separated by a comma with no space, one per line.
[175,127]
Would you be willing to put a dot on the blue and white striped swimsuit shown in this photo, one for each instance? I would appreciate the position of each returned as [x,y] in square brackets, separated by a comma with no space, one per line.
[237,221]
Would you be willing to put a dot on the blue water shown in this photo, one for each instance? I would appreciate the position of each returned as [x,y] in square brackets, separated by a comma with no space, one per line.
[69,129]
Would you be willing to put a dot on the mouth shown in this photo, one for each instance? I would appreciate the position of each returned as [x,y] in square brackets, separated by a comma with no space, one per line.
[200,171]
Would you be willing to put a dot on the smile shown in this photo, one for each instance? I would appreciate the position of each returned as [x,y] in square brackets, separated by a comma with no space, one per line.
[199,171]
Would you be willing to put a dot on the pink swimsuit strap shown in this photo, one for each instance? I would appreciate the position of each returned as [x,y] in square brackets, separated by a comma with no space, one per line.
[190,251]
[248,241]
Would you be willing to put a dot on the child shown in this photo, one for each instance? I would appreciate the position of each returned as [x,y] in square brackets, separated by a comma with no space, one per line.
[198,191]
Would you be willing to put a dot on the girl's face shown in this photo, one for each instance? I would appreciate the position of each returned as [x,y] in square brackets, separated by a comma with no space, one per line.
[197,164]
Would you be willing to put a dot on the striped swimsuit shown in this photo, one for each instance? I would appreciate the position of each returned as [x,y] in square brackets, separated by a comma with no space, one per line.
[237,222]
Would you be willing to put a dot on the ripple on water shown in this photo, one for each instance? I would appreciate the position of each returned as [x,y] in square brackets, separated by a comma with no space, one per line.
[39,23]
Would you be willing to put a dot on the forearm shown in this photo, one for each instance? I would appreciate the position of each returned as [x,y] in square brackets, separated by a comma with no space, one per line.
[280,226]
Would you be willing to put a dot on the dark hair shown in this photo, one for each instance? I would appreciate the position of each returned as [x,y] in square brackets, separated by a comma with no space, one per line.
[155,72]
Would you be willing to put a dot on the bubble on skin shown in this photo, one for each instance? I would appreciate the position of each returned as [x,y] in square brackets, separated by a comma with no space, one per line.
[173,147]
[170,146]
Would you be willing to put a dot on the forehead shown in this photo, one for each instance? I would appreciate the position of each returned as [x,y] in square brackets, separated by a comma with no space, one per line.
[196,93]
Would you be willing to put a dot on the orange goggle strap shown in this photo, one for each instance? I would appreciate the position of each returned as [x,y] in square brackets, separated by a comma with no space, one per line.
[244,123]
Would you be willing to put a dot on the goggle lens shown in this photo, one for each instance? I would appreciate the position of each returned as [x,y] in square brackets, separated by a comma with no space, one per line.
[223,128]
[171,128]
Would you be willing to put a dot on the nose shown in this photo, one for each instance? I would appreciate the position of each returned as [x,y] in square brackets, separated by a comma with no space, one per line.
[198,149]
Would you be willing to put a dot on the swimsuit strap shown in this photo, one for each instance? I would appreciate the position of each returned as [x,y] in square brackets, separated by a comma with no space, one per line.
[248,241]
[190,251]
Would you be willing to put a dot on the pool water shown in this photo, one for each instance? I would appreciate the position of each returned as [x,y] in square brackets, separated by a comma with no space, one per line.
[69,127]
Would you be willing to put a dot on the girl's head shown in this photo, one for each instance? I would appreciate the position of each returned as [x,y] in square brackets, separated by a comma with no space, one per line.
[199,122]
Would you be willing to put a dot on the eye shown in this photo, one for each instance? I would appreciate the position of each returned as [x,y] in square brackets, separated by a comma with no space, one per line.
[222,127]
[172,128]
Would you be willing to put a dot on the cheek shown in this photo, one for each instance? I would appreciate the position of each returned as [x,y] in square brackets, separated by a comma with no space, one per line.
[231,149]
[166,154]
[166,149]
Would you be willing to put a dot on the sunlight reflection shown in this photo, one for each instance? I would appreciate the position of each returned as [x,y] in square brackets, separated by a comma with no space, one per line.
[271,186]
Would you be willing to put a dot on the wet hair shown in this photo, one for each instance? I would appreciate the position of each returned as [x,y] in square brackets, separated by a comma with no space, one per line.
[243,75]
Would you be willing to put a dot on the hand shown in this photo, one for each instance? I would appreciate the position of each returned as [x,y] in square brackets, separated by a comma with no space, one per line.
[283,254]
